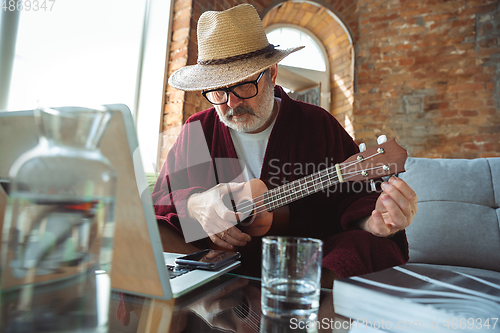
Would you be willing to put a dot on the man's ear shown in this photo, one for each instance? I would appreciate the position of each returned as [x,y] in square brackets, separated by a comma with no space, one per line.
[274,73]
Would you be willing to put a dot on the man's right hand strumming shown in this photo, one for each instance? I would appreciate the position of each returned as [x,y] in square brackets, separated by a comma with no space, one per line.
[215,218]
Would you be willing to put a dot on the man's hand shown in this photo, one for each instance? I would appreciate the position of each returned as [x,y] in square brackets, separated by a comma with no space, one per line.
[215,218]
[395,209]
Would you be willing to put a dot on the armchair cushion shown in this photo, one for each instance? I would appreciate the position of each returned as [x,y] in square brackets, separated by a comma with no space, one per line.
[458,216]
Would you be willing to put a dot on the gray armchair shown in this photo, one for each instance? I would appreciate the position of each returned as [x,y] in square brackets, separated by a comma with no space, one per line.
[458,218]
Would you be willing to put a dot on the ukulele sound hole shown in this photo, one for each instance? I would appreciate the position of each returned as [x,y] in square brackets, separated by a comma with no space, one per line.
[244,206]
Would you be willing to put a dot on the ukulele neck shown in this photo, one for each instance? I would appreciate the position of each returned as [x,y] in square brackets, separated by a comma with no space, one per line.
[300,188]
[379,161]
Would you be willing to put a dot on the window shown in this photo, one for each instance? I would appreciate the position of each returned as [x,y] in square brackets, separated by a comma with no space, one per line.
[302,74]
[77,53]
[311,57]
[94,52]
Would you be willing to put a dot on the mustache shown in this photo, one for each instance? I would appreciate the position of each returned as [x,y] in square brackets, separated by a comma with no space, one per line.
[239,110]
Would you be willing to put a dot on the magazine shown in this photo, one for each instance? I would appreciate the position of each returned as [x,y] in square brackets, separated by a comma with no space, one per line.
[425,298]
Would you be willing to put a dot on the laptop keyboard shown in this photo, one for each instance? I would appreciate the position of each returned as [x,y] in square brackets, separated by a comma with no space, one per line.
[175,271]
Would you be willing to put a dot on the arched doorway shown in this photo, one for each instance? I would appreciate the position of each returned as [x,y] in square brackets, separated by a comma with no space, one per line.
[304,74]
[336,40]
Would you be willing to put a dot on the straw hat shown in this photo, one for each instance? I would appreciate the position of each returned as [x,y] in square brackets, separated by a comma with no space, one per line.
[232,46]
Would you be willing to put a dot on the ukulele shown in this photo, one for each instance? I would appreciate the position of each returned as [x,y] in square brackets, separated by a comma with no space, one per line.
[261,206]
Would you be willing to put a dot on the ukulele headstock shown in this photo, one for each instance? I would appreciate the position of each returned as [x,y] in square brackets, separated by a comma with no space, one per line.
[382,160]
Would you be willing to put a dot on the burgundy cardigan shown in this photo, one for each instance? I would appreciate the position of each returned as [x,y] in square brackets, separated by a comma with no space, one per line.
[305,139]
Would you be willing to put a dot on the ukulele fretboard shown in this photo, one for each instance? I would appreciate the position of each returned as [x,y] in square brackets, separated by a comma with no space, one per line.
[300,188]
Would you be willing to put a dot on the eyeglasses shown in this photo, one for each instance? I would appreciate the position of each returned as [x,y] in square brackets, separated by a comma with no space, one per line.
[243,90]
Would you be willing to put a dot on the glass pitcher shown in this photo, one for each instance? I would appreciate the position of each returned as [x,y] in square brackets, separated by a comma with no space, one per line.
[58,228]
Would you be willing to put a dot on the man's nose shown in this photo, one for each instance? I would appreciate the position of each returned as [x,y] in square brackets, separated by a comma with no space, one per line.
[233,100]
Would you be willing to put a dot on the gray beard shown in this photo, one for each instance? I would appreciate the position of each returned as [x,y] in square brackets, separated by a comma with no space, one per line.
[258,117]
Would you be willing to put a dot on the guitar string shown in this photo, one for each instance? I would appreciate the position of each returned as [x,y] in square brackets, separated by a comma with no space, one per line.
[263,206]
[327,170]
[319,184]
[310,190]
[252,320]
[253,317]
[309,179]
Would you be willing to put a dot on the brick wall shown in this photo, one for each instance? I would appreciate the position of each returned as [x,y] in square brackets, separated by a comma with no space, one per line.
[426,72]
[173,113]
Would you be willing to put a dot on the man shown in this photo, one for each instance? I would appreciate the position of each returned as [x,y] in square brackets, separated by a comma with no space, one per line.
[273,138]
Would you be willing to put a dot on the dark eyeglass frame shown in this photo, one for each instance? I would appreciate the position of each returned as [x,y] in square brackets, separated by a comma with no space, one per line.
[231,89]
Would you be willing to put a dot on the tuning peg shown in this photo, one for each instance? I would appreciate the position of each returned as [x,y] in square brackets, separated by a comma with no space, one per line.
[362,147]
[381,139]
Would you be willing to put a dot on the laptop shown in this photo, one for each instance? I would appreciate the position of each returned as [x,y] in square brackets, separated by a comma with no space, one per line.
[139,267]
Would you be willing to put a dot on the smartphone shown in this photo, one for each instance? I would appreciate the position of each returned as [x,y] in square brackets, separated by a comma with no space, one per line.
[208,259]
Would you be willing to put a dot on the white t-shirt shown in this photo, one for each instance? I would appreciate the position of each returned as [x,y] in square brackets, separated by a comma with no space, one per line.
[251,149]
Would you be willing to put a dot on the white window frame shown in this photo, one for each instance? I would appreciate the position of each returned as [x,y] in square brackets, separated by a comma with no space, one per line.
[9,23]
[151,80]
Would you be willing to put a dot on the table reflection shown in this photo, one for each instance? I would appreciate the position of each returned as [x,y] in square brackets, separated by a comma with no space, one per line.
[230,303]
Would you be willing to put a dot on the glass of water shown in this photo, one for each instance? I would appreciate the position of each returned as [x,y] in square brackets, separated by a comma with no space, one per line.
[291,272]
